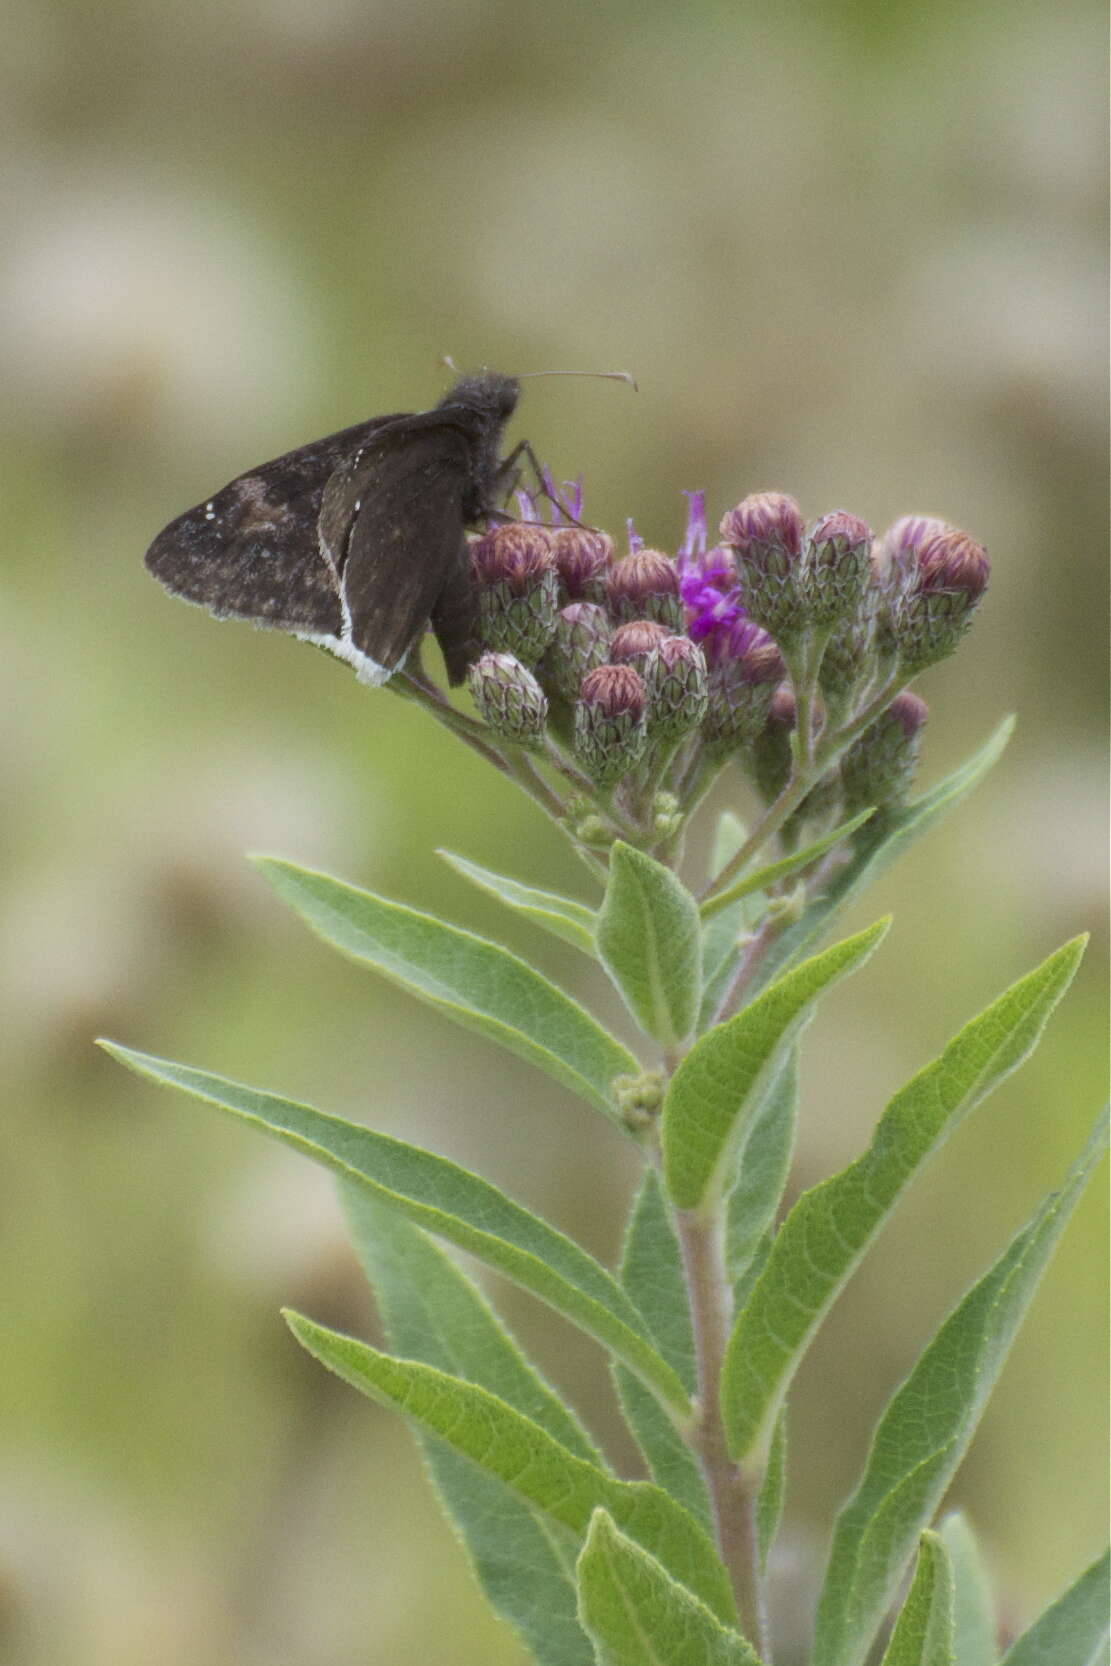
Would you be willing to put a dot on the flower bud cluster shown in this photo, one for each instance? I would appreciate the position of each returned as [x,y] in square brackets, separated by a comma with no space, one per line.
[627,660]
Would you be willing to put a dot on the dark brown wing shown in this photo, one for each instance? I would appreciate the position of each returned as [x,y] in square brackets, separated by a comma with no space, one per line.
[392,522]
[252,550]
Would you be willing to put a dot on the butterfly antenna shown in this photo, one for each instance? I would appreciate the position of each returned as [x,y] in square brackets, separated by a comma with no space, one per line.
[602,375]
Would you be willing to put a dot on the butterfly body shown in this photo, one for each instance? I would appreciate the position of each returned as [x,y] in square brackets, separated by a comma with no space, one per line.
[358,541]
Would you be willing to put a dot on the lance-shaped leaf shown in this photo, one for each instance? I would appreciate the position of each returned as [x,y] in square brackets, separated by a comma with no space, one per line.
[562,916]
[769,1500]
[1074,1631]
[974,1626]
[652,1276]
[477,983]
[450,1202]
[826,1233]
[877,846]
[761,878]
[649,938]
[482,1427]
[923,1634]
[638,1616]
[926,1428]
[763,1165]
[433,1312]
[716,1088]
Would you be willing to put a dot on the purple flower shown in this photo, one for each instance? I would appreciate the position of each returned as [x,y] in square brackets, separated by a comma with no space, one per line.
[694,539]
[709,592]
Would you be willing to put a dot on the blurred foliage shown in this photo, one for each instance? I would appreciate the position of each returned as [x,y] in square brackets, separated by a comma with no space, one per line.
[851,250]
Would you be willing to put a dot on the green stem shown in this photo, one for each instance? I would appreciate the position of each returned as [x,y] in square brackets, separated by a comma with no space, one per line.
[824,756]
[732,1501]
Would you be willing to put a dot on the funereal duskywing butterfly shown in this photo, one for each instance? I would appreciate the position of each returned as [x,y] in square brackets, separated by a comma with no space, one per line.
[358,541]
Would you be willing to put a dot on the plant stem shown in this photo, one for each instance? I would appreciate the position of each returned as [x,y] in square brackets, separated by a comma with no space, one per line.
[701,1238]
[823,756]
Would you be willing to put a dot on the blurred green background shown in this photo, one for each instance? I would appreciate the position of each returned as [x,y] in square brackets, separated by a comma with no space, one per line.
[851,250]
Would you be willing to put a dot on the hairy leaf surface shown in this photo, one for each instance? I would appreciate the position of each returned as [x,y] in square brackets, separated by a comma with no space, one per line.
[471,980]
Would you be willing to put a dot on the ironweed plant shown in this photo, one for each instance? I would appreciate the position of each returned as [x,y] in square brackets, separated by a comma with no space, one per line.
[616,692]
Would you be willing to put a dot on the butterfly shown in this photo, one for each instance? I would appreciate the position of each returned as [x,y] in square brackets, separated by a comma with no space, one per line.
[356,542]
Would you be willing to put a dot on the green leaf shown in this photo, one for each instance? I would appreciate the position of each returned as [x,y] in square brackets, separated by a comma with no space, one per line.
[877,846]
[769,1500]
[652,1277]
[973,1611]
[826,1233]
[1074,1630]
[638,1615]
[482,1427]
[562,916]
[434,1313]
[649,938]
[762,878]
[923,1634]
[477,983]
[763,1166]
[450,1202]
[923,1434]
[715,1088]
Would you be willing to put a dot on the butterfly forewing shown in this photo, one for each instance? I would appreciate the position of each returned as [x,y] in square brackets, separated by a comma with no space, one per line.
[251,551]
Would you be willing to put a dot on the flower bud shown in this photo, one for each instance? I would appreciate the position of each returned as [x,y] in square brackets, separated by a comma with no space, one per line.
[676,681]
[771,750]
[740,692]
[631,644]
[580,644]
[518,589]
[836,567]
[582,557]
[939,575]
[765,534]
[610,732]
[850,659]
[645,585]
[879,766]
[508,697]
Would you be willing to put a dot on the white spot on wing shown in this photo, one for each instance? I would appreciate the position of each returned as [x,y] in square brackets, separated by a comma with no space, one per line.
[366,669]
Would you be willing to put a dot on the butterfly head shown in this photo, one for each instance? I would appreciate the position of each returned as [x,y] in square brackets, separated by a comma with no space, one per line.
[488,394]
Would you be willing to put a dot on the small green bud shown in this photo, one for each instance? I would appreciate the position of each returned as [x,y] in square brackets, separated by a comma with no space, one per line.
[667,815]
[676,679]
[610,732]
[771,750]
[592,830]
[850,659]
[580,644]
[879,766]
[509,698]
[740,693]
[639,1099]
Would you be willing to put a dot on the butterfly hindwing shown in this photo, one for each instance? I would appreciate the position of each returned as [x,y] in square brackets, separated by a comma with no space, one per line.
[392,520]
